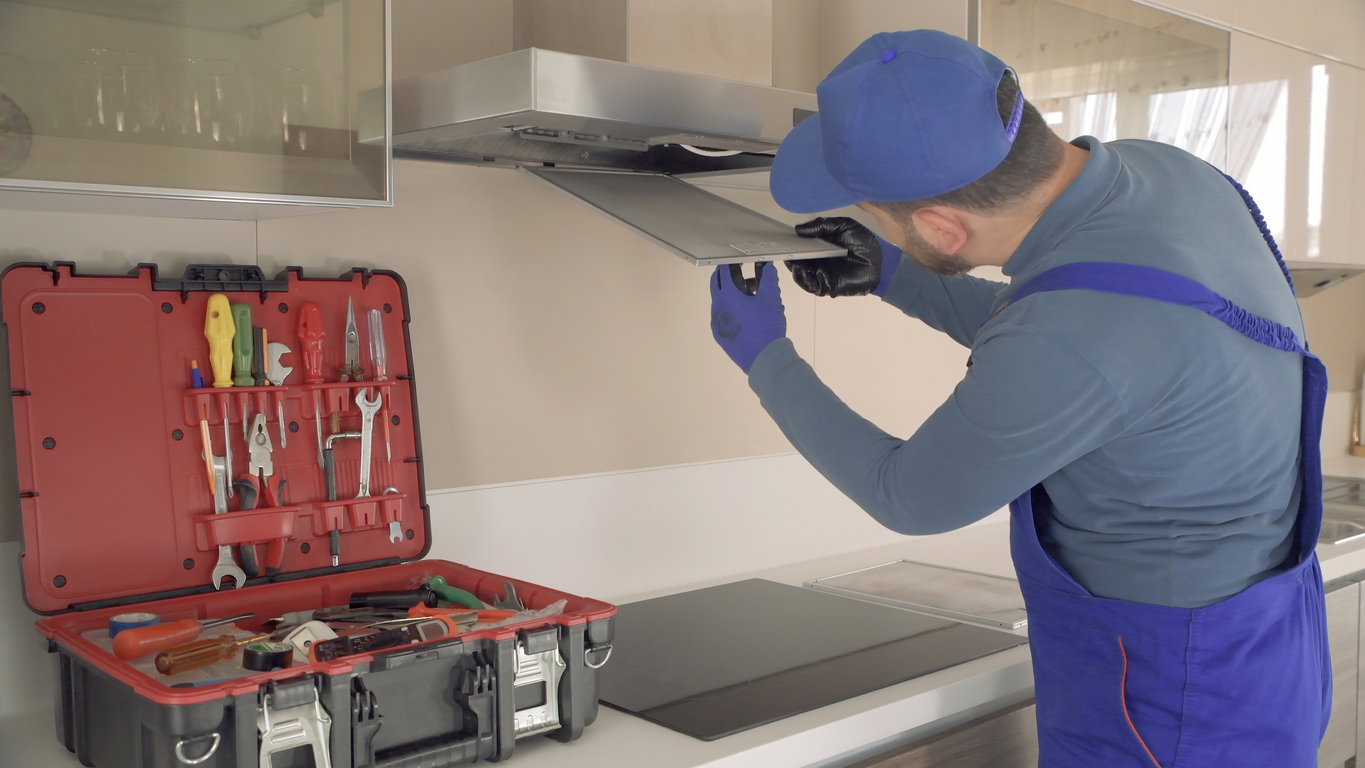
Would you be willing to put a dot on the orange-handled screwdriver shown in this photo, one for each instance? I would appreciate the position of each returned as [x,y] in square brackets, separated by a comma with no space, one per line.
[136,643]
[200,653]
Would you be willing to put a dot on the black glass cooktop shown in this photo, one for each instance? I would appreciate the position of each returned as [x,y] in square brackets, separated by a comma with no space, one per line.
[717,661]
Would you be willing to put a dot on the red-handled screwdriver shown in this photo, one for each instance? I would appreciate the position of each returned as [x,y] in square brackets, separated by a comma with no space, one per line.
[136,643]
[311,334]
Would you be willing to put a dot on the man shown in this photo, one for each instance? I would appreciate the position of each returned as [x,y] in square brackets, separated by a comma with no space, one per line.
[1137,392]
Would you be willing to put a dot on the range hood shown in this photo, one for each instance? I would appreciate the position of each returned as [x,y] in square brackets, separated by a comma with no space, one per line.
[616,136]
[1311,277]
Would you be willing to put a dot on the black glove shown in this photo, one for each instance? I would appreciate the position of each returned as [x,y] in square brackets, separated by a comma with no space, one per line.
[856,274]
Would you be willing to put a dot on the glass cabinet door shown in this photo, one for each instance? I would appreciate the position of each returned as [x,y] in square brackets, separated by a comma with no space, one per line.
[251,101]
[1115,69]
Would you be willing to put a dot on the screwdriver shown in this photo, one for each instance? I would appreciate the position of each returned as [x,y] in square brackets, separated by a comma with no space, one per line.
[134,643]
[219,330]
[243,353]
[201,653]
[379,360]
[242,345]
[311,335]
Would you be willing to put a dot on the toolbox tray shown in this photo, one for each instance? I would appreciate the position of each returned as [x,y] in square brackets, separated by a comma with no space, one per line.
[117,516]
[442,702]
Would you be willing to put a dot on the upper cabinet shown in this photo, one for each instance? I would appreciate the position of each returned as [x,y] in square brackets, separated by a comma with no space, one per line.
[1296,147]
[1282,121]
[1115,69]
[199,108]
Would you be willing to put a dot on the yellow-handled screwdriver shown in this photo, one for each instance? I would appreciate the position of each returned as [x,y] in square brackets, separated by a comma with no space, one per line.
[219,330]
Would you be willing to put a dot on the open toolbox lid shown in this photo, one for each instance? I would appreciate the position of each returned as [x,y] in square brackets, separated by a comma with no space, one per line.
[114,498]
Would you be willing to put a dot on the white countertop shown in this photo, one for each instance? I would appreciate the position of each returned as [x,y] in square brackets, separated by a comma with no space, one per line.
[886,717]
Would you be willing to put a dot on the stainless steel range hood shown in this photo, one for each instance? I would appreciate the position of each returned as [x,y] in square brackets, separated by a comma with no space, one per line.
[623,130]
[1311,277]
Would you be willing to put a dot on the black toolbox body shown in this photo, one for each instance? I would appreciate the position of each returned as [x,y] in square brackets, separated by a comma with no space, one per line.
[118,517]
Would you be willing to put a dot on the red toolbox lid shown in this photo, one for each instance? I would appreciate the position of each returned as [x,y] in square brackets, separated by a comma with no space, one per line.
[113,485]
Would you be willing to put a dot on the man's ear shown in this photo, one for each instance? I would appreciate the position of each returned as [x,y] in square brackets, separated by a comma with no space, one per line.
[942,227]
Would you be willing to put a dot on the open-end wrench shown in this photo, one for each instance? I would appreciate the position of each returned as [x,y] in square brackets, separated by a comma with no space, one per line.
[368,408]
[226,567]
[278,372]
[508,600]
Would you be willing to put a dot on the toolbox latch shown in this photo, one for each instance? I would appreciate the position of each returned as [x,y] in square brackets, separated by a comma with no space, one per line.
[290,717]
[221,278]
[365,723]
[539,641]
[474,693]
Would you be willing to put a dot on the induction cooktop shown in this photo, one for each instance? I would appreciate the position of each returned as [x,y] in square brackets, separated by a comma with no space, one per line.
[713,662]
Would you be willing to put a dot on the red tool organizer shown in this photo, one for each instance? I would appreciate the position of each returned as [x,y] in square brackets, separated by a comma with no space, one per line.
[118,516]
[115,500]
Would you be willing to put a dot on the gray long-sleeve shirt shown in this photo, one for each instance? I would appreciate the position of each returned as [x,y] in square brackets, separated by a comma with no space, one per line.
[1167,442]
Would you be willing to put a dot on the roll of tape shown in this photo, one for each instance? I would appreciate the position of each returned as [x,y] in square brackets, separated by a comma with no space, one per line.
[263,657]
[131,621]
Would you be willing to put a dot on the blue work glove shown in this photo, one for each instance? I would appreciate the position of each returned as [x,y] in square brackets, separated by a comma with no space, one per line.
[746,320]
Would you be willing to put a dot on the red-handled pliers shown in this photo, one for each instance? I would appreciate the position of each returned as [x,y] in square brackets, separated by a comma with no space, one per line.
[257,483]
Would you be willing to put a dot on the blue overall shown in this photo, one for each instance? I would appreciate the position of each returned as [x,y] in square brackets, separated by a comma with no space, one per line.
[1244,682]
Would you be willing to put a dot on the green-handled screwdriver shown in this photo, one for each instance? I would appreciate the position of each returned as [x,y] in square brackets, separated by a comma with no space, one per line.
[242,346]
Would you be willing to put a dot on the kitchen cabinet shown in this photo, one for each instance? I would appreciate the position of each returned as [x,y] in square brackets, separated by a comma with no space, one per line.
[1295,144]
[1334,28]
[1343,635]
[193,108]
[1004,739]
[1117,70]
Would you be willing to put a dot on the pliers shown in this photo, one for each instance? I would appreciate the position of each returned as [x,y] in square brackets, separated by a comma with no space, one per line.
[260,469]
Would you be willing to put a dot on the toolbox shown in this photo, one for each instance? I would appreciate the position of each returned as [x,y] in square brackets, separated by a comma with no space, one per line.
[169,471]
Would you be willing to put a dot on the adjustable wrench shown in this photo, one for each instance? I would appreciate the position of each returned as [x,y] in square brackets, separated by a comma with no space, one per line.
[226,567]
[368,408]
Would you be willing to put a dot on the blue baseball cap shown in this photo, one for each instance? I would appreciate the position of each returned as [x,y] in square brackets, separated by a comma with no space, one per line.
[907,115]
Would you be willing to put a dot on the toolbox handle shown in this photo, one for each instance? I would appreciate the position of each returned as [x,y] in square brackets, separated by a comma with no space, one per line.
[180,750]
[457,750]
[221,278]
[601,663]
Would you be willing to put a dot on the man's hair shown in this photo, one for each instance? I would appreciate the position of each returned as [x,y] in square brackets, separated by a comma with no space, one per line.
[1033,158]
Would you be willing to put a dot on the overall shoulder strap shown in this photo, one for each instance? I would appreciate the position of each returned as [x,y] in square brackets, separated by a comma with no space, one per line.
[1151,283]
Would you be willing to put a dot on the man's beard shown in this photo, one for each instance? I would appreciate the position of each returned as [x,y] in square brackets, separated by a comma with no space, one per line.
[931,258]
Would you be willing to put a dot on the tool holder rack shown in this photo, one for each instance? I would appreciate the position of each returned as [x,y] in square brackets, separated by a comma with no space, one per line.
[346,514]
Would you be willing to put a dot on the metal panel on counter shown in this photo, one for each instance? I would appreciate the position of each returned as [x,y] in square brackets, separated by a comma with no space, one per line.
[956,594]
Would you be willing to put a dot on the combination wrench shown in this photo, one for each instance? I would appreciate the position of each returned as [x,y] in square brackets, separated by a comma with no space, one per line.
[368,408]
[226,567]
